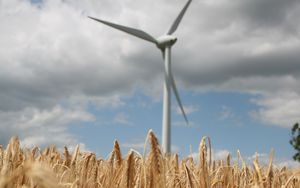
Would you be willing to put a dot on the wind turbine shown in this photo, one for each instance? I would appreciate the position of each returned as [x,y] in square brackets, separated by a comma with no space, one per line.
[164,43]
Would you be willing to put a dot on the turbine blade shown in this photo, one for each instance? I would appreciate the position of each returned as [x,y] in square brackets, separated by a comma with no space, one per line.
[135,32]
[178,19]
[174,88]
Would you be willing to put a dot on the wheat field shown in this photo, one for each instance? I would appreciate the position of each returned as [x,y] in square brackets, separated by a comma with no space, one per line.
[32,168]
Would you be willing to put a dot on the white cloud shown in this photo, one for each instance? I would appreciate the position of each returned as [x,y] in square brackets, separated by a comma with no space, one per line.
[135,145]
[219,154]
[287,163]
[122,118]
[188,109]
[183,124]
[175,149]
[278,109]
[226,113]
[113,101]
[264,159]
[139,145]
[42,127]
[214,2]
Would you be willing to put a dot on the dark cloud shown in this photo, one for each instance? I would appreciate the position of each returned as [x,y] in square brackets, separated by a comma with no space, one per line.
[266,14]
[254,15]
[278,63]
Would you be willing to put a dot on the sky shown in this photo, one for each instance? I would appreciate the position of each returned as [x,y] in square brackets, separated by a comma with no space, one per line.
[67,80]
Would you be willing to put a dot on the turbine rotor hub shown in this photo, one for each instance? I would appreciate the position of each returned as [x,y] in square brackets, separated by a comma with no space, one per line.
[165,40]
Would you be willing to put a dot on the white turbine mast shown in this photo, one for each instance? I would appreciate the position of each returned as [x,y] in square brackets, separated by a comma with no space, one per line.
[164,43]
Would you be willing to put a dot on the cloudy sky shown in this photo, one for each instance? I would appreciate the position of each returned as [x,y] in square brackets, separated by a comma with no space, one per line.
[66,80]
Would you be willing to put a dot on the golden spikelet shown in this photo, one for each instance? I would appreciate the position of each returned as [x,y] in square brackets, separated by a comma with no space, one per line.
[156,162]
[203,170]
[118,154]
[270,174]
[1,156]
[129,175]
[75,155]
[175,164]
[115,159]
[210,153]
[258,173]
[67,157]
[155,154]
[189,179]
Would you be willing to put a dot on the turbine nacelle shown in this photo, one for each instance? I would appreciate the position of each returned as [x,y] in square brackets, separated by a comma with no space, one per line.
[165,40]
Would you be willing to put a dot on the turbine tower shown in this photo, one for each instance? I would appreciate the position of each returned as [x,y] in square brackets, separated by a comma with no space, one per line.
[164,43]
